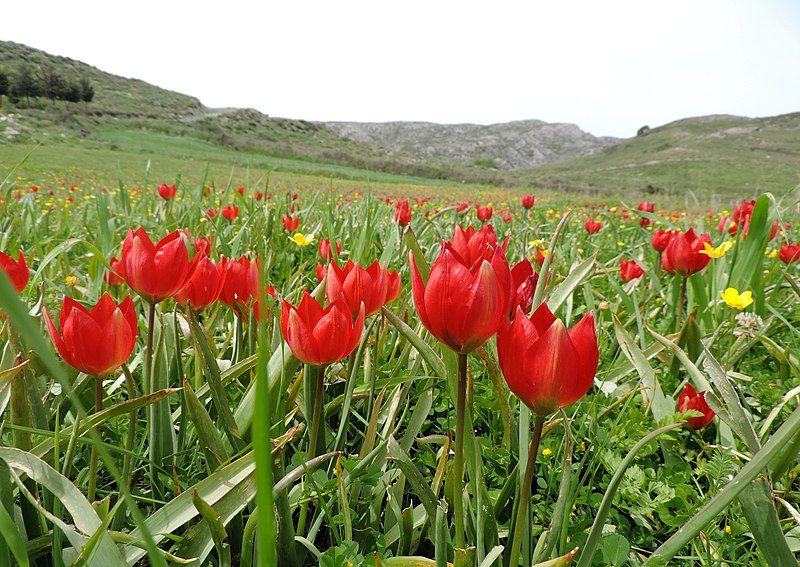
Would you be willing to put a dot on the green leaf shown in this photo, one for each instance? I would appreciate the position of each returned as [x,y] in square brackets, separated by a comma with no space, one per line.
[217,529]
[575,278]
[71,498]
[615,549]
[209,436]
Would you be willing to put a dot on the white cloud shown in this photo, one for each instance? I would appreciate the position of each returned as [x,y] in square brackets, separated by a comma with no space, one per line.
[608,66]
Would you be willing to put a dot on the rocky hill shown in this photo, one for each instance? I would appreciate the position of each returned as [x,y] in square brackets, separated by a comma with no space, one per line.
[511,145]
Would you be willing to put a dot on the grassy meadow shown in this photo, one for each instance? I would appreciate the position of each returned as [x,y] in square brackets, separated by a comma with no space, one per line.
[216,438]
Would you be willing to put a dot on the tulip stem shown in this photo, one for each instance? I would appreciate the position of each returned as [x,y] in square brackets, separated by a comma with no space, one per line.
[98,406]
[458,463]
[147,380]
[317,414]
[525,492]
[148,353]
[681,305]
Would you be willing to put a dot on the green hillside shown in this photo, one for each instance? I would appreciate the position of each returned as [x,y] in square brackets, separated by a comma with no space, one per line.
[132,105]
[724,155]
[715,155]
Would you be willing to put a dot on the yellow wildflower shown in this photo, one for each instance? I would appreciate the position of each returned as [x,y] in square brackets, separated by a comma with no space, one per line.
[547,452]
[716,252]
[71,280]
[734,299]
[302,239]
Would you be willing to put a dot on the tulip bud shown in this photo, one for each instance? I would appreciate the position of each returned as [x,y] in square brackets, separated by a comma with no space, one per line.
[16,270]
[682,255]
[690,399]
[155,271]
[320,336]
[96,342]
[544,364]
[465,299]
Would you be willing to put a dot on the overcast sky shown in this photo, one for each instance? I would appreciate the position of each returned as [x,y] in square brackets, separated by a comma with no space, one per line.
[608,66]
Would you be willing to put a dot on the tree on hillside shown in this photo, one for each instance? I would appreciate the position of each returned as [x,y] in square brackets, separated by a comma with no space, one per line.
[4,86]
[87,90]
[53,84]
[73,92]
[25,84]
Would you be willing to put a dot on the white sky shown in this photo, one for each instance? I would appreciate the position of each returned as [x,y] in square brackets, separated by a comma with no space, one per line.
[609,66]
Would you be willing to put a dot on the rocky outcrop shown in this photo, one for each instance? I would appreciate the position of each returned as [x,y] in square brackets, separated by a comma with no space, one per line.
[511,145]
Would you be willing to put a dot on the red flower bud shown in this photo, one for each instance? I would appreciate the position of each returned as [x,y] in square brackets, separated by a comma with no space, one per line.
[205,285]
[661,239]
[523,286]
[291,223]
[16,270]
[155,271]
[320,336]
[630,270]
[593,226]
[230,212]
[96,342]
[483,213]
[325,250]
[682,255]
[357,285]
[402,213]
[546,366]
[167,192]
[789,253]
[690,399]
[111,276]
[465,299]
[240,286]
[528,201]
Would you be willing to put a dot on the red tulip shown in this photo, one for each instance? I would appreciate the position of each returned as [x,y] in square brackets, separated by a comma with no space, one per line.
[394,287]
[648,208]
[325,250]
[291,223]
[111,276]
[320,336]
[465,299]
[682,255]
[203,288]
[357,285]
[690,399]
[96,342]
[523,286]
[461,208]
[402,213]
[483,213]
[167,192]
[240,190]
[212,212]
[241,284]
[321,271]
[16,270]
[661,239]
[592,226]
[546,366]
[789,253]
[773,231]
[471,244]
[527,201]
[507,217]
[230,212]
[630,270]
[155,271]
